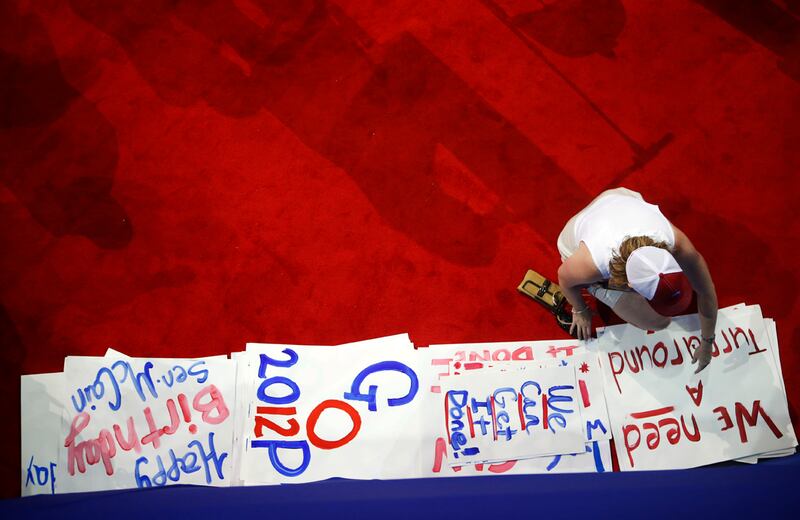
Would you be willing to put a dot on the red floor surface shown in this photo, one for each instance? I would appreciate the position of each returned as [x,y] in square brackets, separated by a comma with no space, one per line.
[181,177]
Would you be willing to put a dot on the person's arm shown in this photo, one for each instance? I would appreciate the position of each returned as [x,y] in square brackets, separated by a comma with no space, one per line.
[578,271]
[696,270]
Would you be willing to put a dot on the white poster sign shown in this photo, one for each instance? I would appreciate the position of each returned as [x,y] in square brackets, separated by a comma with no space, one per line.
[494,416]
[316,412]
[664,416]
[138,422]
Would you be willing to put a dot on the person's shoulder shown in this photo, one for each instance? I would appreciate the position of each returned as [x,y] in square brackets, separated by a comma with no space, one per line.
[683,246]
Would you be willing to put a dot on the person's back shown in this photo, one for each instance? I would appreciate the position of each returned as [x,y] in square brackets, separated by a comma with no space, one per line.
[609,220]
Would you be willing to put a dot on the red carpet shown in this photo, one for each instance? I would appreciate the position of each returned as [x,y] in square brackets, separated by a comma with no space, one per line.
[181,177]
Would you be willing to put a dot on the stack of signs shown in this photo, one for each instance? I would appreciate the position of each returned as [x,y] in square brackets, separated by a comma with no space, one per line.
[316,412]
[379,409]
[513,407]
[664,416]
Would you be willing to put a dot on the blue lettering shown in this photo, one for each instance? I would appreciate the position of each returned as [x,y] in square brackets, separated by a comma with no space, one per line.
[356,394]
[210,457]
[292,396]
[280,467]
[181,377]
[501,400]
[142,481]
[598,459]
[552,398]
[29,477]
[483,423]
[454,395]
[79,407]
[202,375]
[41,475]
[266,361]
[594,425]
[136,379]
[457,440]
[178,466]
[475,404]
[507,431]
[525,386]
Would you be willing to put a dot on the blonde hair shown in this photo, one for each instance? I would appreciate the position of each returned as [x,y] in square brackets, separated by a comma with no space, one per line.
[616,266]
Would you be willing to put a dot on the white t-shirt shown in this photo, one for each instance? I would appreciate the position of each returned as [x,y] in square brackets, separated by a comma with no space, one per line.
[609,220]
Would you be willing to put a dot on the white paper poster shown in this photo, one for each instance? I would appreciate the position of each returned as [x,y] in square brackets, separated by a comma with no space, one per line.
[138,422]
[348,411]
[495,416]
[664,416]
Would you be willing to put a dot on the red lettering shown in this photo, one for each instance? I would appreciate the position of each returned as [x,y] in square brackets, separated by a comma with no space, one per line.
[75,455]
[155,434]
[132,441]
[751,418]
[544,412]
[501,355]
[660,348]
[626,430]
[724,416]
[184,404]
[494,418]
[260,422]
[693,437]
[477,356]
[654,437]
[696,393]
[92,450]
[469,419]
[439,362]
[584,393]
[674,433]
[639,354]
[105,444]
[616,369]
[728,348]
[522,354]
[313,417]
[554,351]
[439,454]
[755,344]
[215,404]
[174,418]
[735,335]
[678,359]
[652,413]
[502,468]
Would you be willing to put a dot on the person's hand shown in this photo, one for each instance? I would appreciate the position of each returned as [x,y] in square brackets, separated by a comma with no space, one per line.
[702,354]
[581,327]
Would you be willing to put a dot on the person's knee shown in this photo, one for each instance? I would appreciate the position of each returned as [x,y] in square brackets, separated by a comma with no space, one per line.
[660,323]
[634,309]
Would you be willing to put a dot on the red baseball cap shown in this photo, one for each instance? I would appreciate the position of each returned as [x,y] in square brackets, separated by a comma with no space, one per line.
[654,273]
